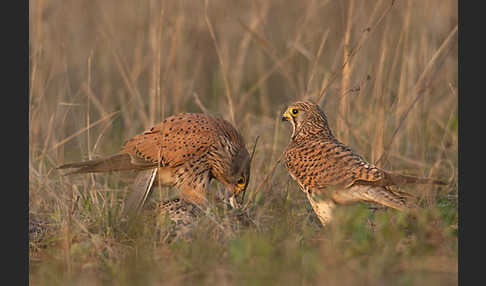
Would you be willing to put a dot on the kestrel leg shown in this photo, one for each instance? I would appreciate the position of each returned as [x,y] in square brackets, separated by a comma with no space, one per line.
[323,207]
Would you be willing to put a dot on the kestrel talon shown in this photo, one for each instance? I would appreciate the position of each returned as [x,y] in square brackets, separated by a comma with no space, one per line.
[185,151]
[330,173]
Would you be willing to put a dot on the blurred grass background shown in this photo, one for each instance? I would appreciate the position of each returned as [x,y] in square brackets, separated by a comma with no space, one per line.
[104,71]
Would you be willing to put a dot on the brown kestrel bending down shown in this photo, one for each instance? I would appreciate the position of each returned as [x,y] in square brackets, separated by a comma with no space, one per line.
[330,173]
[185,151]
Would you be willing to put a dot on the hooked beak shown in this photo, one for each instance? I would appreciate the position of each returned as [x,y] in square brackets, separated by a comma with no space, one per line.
[286,116]
[235,200]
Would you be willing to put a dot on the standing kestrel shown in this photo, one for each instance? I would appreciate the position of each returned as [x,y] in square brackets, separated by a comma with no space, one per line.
[330,173]
[185,151]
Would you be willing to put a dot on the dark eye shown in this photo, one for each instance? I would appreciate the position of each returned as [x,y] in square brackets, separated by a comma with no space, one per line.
[241,181]
[295,111]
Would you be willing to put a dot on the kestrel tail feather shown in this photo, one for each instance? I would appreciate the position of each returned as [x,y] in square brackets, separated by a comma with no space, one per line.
[141,190]
[385,197]
[398,179]
[117,162]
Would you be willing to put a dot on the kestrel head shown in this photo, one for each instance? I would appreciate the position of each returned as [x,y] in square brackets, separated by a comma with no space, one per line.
[239,177]
[307,118]
[233,168]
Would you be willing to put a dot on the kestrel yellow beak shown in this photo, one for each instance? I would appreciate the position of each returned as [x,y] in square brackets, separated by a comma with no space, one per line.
[235,199]
[286,116]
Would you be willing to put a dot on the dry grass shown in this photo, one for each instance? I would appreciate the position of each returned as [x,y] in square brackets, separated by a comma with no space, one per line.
[385,72]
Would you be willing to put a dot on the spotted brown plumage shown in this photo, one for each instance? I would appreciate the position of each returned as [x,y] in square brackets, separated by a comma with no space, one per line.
[182,218]
[186,151]
[330,172]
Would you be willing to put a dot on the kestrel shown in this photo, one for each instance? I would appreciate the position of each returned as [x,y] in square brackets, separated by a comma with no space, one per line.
[330,173]
[184,151]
